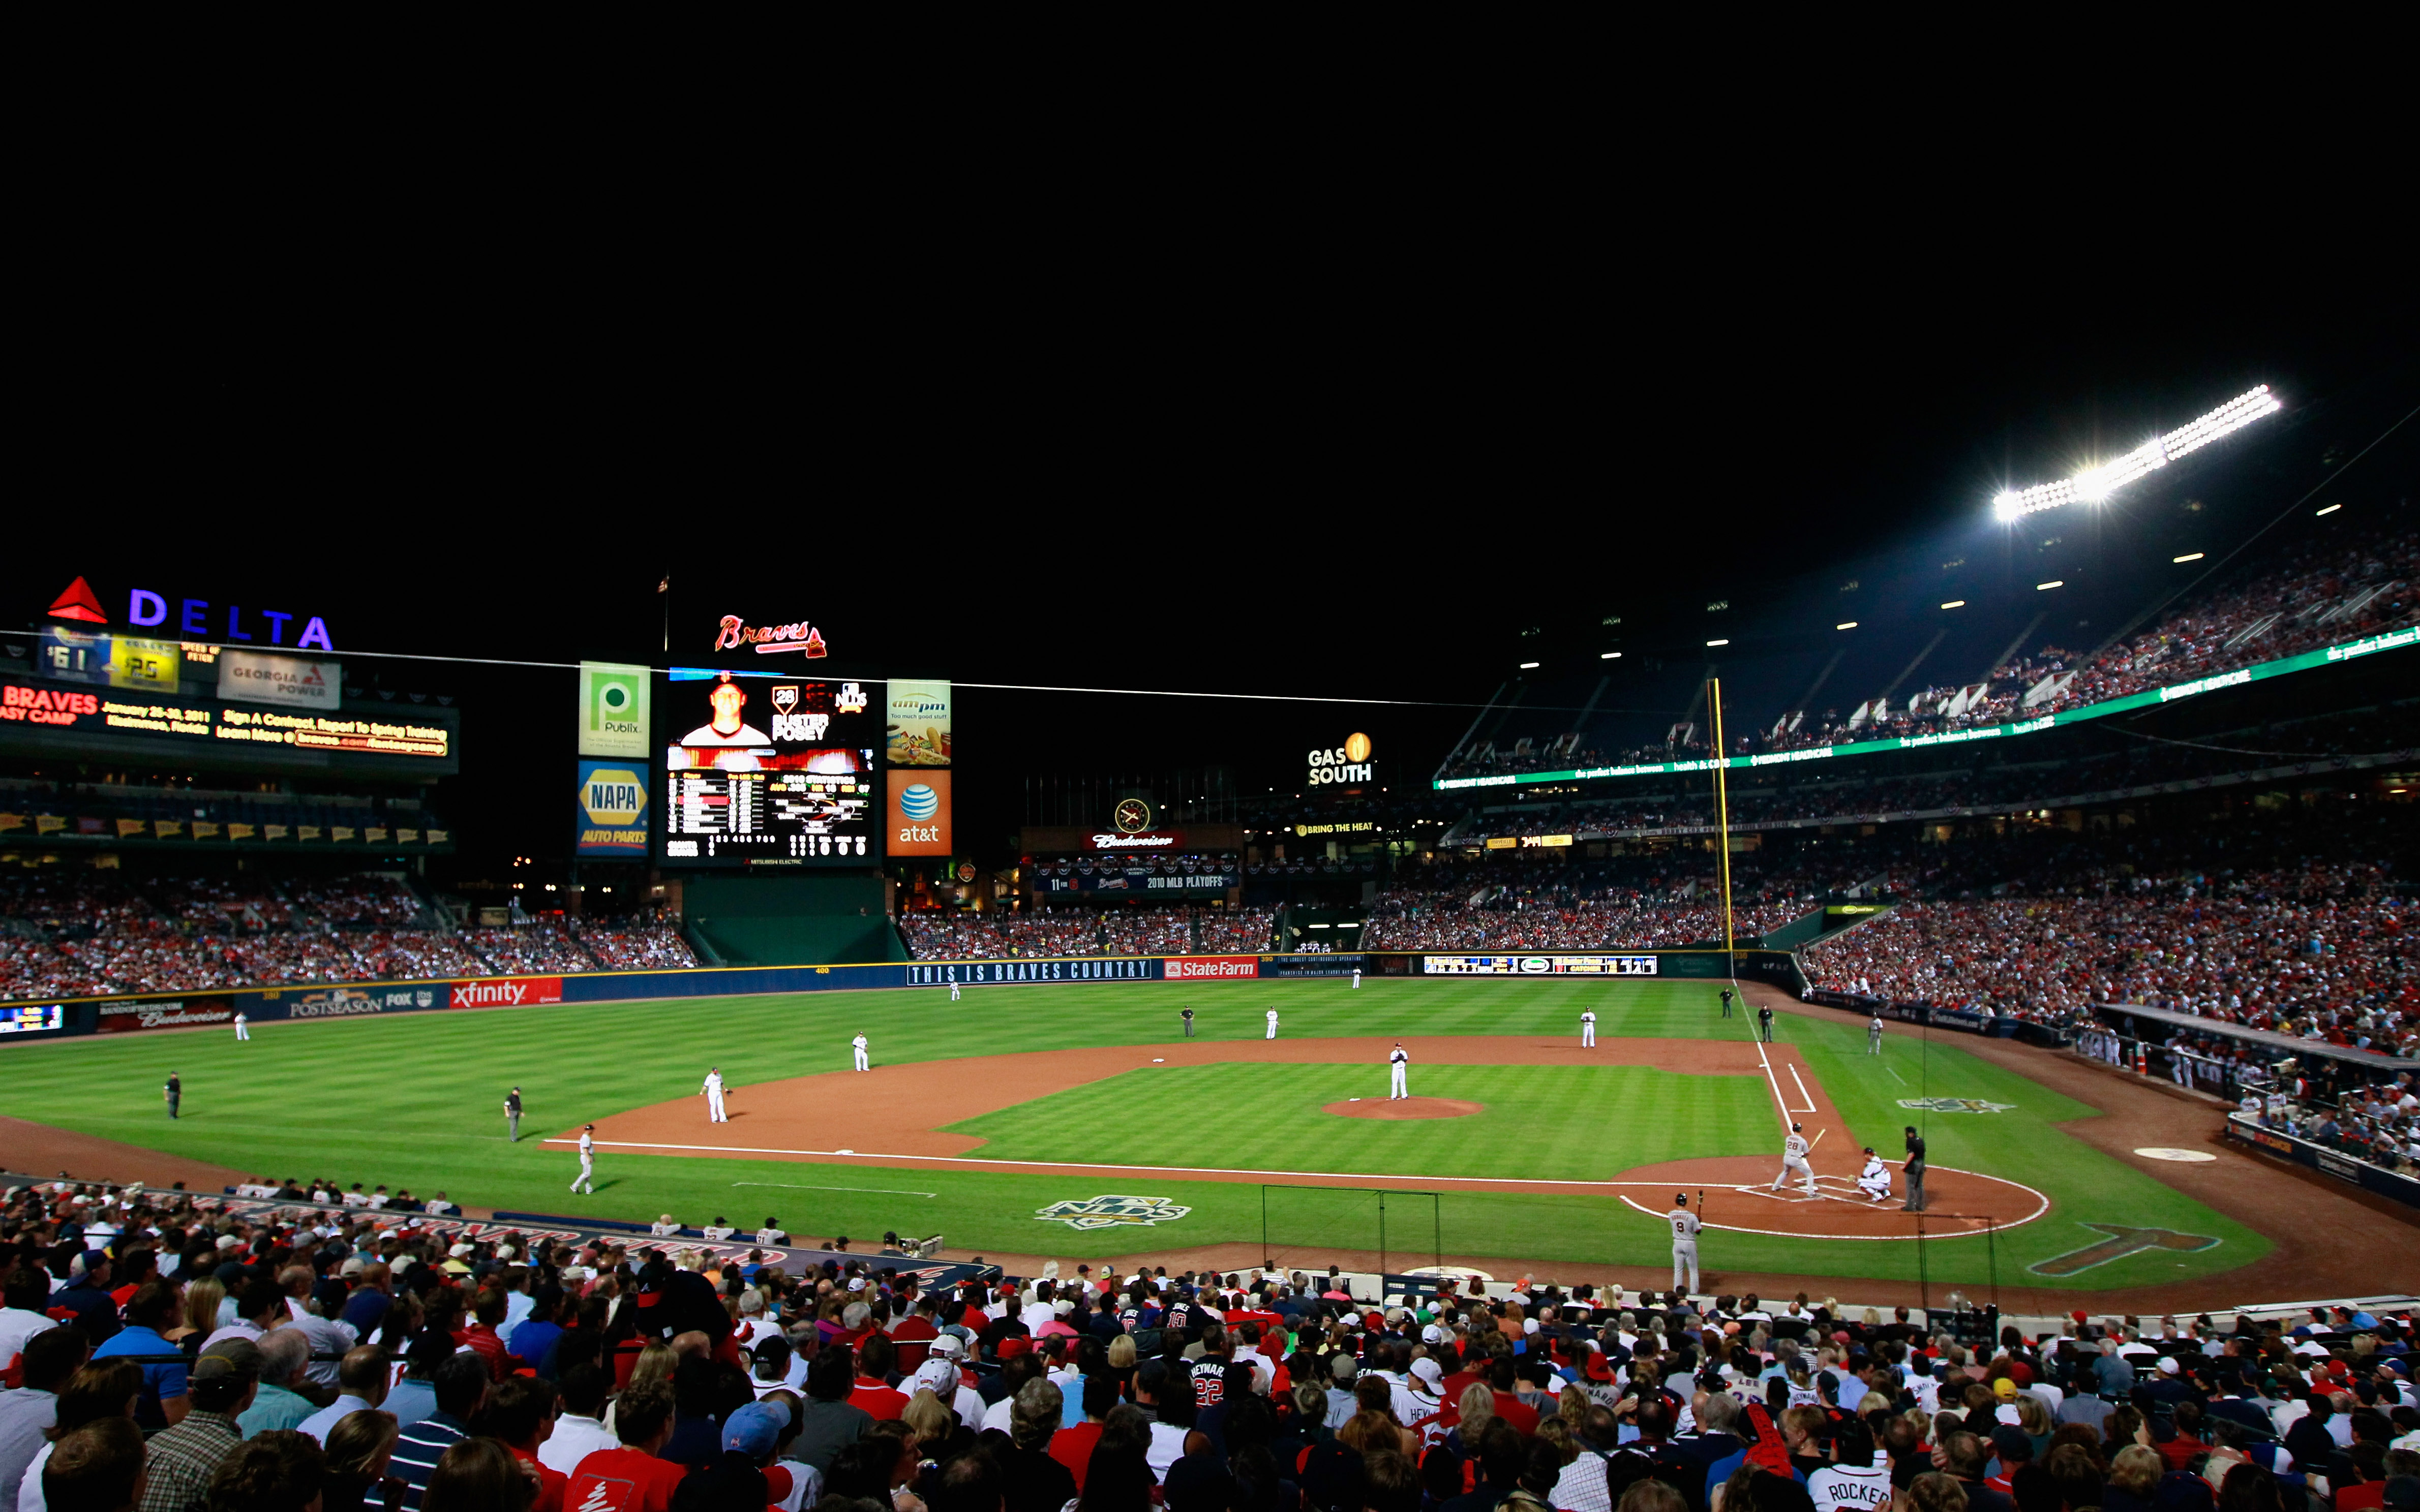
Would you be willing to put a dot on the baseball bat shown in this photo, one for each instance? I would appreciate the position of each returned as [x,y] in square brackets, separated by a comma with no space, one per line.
[1819,1139]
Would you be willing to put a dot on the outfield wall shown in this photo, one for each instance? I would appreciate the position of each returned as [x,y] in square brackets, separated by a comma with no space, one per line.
[138,1013]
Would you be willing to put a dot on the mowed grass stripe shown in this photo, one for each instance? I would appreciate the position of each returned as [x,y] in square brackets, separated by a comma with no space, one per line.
[1571,1123]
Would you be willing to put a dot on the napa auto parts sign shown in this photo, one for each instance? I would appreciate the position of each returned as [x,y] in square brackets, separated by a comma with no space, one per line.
[507,992]
[1212,967]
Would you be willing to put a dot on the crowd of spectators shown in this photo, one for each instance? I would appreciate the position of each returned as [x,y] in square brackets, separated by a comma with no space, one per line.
[539,948]
[309,1358]
[2316,950]
[2343,587]
[1167,931]
[639,943]
[1236,931]
[938,935]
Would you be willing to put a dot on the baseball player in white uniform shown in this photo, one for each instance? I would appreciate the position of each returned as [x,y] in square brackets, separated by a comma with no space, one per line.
[586,1180]
[713,1090]
[243,1025]
[953,991]
[1874,1181]
[1685,1242]
[1273,1024]
[1396,1063]
[1874,1036]
[857,1047]
[1357,977]
[1794,1158]
[1588,1028]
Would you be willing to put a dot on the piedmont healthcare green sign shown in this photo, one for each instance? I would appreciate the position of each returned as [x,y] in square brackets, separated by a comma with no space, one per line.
[2392,640]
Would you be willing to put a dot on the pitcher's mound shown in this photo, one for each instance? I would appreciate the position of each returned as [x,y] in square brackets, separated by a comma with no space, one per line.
[1405,1107]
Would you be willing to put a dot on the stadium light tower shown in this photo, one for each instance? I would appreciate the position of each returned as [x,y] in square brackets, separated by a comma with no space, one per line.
[2093,484]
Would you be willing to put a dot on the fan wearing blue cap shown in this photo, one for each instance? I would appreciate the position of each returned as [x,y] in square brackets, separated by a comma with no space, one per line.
[751,1437]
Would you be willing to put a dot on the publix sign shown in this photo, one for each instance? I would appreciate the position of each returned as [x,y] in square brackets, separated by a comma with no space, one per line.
[1342,764]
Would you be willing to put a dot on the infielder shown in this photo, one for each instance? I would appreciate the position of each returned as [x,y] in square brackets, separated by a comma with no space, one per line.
[1874,1036]
[243,1025]
[1396,1063]
[857,1047]
[1273,1024]
[1685,1240]
[586,1180]
[1874,1181]
[513,1116]
[1588,1028]
[713,1090]
[1794,1158]
[953,991]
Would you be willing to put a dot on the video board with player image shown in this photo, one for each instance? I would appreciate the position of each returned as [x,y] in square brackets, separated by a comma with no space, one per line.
[771,771]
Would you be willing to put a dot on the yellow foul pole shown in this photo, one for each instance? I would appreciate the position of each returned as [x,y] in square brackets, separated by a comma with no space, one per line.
[1722,806]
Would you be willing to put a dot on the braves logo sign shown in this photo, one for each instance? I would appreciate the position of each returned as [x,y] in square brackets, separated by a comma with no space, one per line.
[1110,1211]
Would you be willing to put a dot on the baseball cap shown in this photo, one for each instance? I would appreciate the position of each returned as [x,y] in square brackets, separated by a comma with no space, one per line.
[228,1357]
[353,1266]
[2005,1389]
[2011,1442]
[2169,1364]
[1432,1335]
[938,1376]
[1428,1371]
[947,1345]
[755,1429]
[1598,1366]
[1011,1348]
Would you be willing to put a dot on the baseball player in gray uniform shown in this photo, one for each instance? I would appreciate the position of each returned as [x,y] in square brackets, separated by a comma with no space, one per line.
[1685,1242]
[1874,1036]
[1794,1158]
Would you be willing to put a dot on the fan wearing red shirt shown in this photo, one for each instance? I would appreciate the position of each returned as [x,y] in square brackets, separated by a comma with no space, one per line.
[872,1392]
[481,1338]
[1509,1407]
[1073,1447]
[520,1413]
[630,1478]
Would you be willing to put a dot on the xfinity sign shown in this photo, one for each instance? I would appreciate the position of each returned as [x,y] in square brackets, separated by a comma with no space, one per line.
[1342,764]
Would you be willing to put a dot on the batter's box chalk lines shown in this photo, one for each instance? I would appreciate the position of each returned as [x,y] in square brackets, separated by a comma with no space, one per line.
[800,1186]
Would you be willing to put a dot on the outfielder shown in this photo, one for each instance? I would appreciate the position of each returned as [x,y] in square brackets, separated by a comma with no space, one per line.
[1588,1027]
[1874,1036]
[586,1180]
[243,1025]
[953,991]
[1874,1181]
[857,1047]
[1794,1158]
[1396,1063]
[1357,977]
[1685,1242]
[713,1090]
[1273,1024]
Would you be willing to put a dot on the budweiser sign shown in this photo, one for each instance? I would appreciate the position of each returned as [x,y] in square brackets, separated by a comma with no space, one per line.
[1162,840]
[768,639]
[1211,967]
[507,992]
[118,1017]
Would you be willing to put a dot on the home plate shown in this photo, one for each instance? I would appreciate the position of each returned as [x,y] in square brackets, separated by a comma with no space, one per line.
[2164,1152]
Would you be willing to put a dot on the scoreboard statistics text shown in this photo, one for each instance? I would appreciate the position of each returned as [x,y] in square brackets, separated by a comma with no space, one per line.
[772,772]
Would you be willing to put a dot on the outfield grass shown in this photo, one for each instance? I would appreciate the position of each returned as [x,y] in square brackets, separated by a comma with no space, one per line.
[414,1101]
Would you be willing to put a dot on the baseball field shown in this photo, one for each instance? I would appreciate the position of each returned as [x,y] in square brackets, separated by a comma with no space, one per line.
[1079,1121]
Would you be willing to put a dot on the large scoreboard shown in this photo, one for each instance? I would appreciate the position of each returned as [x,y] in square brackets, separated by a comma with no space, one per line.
[771,771]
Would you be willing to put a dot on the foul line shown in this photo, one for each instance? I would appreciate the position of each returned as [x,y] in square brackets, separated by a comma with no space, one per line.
[1802,1092]
[796,1186]
[1778,1101]
[2041,1205]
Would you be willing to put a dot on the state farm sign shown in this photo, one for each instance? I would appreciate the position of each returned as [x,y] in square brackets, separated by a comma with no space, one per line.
[1211,967]
[507,992]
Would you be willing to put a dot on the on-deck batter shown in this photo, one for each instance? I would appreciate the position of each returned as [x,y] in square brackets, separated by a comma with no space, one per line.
[1685,1242]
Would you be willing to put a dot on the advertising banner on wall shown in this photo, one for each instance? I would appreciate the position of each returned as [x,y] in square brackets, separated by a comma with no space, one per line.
[1211,967]
[295,682]
[614,709]
[1534,965]
[172,1013]
[917,811]
[917,723]
[612,810]
[505,992]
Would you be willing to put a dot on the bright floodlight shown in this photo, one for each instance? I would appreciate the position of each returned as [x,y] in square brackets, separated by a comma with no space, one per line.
[2093,484]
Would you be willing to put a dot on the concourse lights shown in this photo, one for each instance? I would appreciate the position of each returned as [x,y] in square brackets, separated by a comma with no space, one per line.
[1718,642]
[1846,625]
[1608,655]
[2095,484]
[2330,510]
[1955,603]
[1527,666]
[2190,556]
[2054,583]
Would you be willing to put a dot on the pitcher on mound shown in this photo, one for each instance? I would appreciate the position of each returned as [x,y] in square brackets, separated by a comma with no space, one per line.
[1794,1158]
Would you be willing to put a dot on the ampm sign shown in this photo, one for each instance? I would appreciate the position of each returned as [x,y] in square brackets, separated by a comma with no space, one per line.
[613,809]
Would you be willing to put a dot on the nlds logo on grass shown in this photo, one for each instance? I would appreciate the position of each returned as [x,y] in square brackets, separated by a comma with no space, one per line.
[1111,1212]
